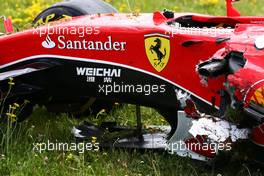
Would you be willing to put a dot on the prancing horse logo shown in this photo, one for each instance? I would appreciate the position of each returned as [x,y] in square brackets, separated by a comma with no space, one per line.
[157,48]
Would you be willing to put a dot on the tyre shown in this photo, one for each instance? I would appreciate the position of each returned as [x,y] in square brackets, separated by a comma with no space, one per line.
[72,8]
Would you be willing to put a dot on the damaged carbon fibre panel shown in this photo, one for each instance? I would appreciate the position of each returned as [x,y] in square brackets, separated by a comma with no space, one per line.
[240,63]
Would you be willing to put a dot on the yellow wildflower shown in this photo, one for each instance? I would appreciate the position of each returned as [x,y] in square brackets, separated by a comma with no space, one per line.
[108,1]
[69,157]
[94,139]
[209,2]
[11,83]
[11,117]
[16,105]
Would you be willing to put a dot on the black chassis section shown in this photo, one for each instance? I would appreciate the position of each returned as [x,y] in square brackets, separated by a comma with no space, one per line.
[57,79]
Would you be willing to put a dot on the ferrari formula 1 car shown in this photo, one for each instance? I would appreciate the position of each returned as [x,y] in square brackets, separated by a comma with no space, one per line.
[83,56]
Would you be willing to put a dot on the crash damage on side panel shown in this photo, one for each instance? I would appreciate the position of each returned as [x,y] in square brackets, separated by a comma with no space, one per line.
[242,94]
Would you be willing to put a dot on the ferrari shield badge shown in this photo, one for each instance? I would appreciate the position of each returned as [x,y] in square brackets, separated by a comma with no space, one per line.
[157,48]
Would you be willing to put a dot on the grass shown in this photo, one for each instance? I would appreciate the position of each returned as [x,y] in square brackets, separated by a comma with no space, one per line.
[43,126]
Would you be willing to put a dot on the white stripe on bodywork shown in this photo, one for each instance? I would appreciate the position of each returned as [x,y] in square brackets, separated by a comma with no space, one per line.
[14,73]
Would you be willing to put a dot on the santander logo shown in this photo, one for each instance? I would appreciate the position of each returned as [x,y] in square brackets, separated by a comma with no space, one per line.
[48,43]
[105,44]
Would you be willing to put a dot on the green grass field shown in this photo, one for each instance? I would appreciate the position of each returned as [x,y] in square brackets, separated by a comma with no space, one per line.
[20,159]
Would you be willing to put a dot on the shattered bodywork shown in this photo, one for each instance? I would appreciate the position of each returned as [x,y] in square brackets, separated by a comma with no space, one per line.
[241,63]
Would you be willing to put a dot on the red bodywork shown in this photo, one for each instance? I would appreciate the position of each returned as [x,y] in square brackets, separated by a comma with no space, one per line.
[131,29]
[189,45]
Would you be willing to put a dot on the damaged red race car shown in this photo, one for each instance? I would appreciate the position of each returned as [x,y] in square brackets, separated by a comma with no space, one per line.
[195,70]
